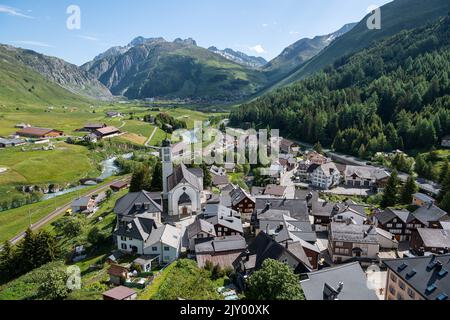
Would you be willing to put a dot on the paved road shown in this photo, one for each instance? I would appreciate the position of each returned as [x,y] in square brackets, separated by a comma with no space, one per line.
[61,211]
[424,185]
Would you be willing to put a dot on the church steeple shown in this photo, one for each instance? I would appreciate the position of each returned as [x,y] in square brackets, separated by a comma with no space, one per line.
[167,166]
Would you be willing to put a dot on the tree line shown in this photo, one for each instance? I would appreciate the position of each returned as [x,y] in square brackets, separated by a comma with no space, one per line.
[393,95]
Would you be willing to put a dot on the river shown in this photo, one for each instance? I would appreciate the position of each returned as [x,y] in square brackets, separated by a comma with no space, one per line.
[109,169]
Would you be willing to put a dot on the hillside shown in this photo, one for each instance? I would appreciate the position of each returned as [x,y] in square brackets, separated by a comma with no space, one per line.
[240,57]
[396,16]
[20,85]
[393,95]
[66,75]
[149,68]
[303,50]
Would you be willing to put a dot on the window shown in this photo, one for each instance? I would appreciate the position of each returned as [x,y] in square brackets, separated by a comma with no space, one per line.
[389,225]
[392,290]
[411,294]
[154,249]
[393,278]
[123,238]
[339,244]
[131,239]
[166,249]
[402,285]
[400,297]
[399,225]
[124,246]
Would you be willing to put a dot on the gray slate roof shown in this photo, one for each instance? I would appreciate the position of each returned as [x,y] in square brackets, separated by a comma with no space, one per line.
[200,225]
[227,218]
[135,203]
[435,238]
[222,244]
[390,213]
[351,275]
[353,233]
[427,274]
[182,174]
[138,228]
[298,208]
[427,214]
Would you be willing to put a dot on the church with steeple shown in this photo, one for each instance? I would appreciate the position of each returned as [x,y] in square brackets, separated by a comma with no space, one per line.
[182,186]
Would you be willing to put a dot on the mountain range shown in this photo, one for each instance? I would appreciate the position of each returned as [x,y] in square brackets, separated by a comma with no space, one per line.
[155,67]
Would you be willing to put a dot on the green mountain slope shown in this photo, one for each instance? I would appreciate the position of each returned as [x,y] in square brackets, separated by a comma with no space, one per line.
[156,68]
[20,85]
[393,95]
[395,16]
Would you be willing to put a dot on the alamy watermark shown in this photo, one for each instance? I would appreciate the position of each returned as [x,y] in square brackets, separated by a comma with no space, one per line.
[73,22]
[374,20]
[214,147]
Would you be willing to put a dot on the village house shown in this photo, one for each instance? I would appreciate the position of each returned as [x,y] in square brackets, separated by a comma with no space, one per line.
[118,274]
[326,176]
[421,199]
[283,227]
[144,236]
[8,143]
[242,202]
[91,127]
[264,247]
[430,215]
[226,223]
[113,114]
[287,161]
[426,240]
[386,240]
[365,177]
[288,146]
[211,210]
[221,251]
[83,205]
[351,241]
[346,282]
[220,181]
[39,133]
[200,230]
[118,186]
[275,191]
[138,204]
[302,170]
[297,208]
[419,278]
[401,223]
[316,158]
[107,132]
[120,294]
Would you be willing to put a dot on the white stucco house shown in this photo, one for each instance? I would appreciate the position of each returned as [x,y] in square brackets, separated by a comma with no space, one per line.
[326,176]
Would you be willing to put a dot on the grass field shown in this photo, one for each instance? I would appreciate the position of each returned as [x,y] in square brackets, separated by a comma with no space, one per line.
[15,221]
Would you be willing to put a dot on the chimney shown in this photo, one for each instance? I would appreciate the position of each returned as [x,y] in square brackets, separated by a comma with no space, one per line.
[231,213]
[439,266]
[247,255]
[287,245]
[340,287]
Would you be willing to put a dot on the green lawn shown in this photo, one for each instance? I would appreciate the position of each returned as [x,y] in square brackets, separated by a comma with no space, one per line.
[15,221]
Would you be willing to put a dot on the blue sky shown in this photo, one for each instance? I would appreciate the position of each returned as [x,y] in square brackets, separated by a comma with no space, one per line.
[256,27]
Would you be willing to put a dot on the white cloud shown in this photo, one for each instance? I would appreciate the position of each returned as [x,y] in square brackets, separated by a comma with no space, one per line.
[88,38]
[34,43]
[294,33]
[258,49]
[265,25]
[13,12]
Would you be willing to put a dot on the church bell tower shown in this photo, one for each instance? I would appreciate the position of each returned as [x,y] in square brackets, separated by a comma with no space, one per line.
[167,165]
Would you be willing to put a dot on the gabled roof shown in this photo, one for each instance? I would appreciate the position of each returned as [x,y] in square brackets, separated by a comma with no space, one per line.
[435,238]
[275,190]
[390,213]
[298,208]
[35,131]
[429,213]
[171,236]
[238,195]
[353,233]
[366,172]
[221,245]
[423,197]
[328,169]
[219,180]
[351,276]
[227,219]
[107,130]
[182,174]
[136,203]
[200,225]
[81,202]
[138,228]
[426,275]
[119,293]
